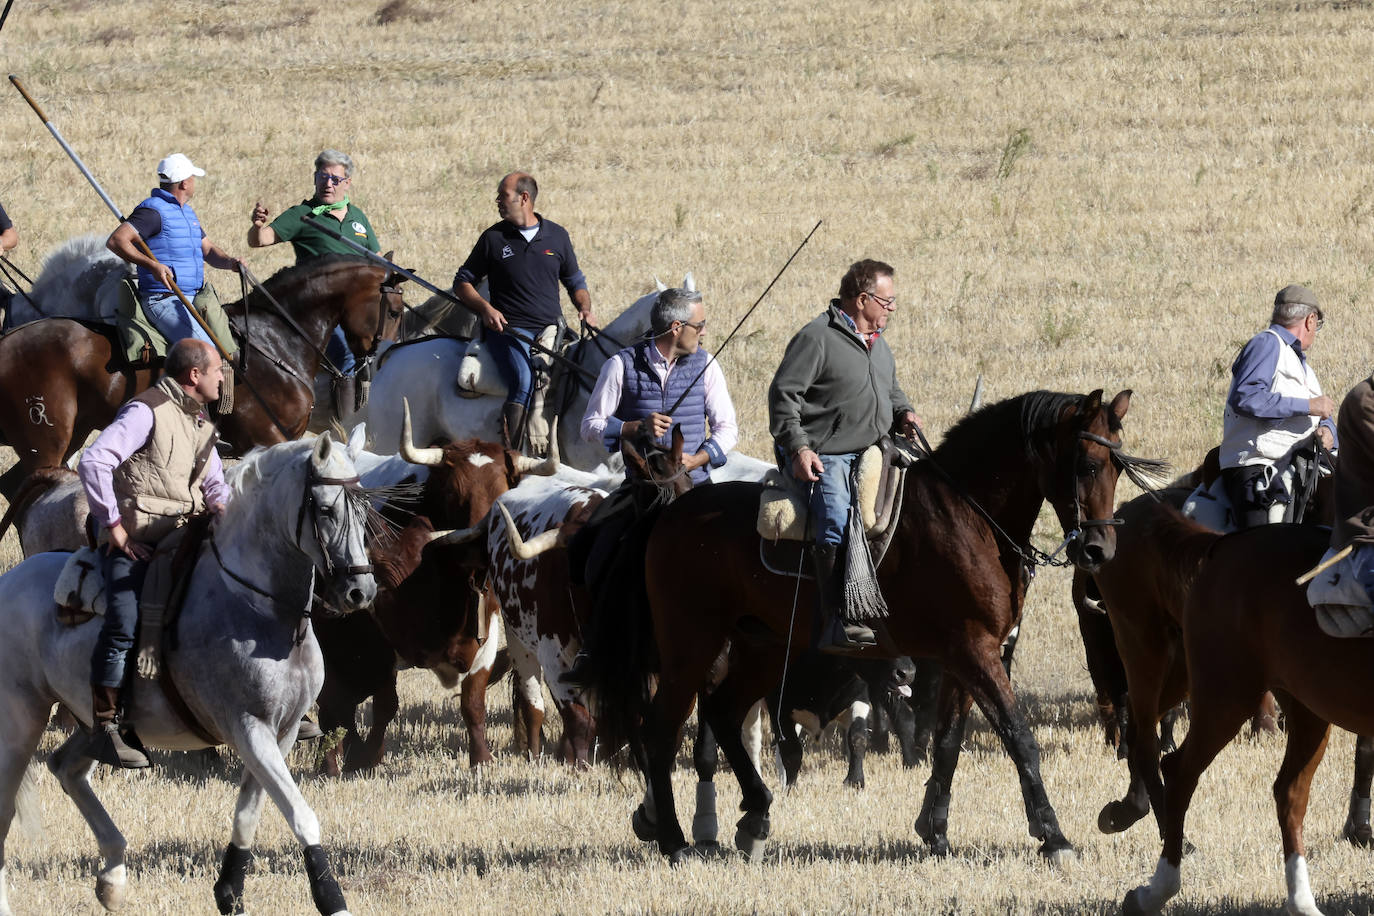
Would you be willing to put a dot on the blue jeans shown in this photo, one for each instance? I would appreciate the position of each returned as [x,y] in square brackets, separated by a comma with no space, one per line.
[336,348]
[831,497]
[170,317]
[512,357]
[123,582]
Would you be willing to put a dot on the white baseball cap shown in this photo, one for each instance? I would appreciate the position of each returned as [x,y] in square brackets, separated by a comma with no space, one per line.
[177,167]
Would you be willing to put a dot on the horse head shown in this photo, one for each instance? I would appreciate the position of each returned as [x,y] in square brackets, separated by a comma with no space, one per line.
[373,309]
[656,472]
[1082,461]
[337,508]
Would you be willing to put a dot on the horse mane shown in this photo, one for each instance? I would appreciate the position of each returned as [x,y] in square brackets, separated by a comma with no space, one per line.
[1035,414]
[300,277]
[262,465]
[1181,542]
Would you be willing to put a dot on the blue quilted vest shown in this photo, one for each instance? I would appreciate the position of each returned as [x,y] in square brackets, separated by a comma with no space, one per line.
[643,394]
[178,246]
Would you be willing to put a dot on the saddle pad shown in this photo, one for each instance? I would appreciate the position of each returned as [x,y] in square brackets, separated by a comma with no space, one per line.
[1211,507]
[782,510]
[80,591]
[1341,603]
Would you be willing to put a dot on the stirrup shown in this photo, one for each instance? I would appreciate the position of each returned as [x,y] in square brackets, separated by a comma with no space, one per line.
[844,637]
[107,745]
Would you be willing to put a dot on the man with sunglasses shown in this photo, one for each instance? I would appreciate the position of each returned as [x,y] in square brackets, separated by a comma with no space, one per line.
[641,394]
[333,182]
[835,394]
[1274,406]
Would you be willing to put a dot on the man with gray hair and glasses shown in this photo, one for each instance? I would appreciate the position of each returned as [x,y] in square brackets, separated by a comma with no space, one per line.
[333,181]
[641,394]
[1273,408]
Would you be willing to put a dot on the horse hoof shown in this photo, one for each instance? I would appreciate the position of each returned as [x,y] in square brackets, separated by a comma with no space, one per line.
[750,845]
[110,887]
[1116,817]
[644,828]
[710,850]
[1357,834]
[684,855]
[1059,854]
[1131,906]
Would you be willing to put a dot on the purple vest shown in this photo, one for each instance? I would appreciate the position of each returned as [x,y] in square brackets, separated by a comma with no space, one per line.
[643,394]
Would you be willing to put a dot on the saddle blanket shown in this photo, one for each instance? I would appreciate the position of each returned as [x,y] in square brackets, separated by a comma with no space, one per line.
[783,510]
[1341,603]
[80,590]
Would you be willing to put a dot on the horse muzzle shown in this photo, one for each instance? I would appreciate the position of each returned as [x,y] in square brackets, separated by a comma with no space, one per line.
[1093,548]
[353,591]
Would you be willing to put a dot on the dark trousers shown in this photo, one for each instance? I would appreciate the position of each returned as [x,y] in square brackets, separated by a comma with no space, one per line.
[1249,504]
[123,582]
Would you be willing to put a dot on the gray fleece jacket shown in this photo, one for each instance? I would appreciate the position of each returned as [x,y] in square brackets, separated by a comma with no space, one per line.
[831,393]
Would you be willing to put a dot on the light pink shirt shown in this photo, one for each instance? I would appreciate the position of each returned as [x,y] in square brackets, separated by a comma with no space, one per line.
[605,398]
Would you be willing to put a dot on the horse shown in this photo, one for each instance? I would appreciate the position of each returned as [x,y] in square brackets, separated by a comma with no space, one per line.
[425,372]
[960,545]
[247,665]
[64,379]
[1247,628]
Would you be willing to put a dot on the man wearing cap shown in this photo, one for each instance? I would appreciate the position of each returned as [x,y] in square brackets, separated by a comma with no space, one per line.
[333,180]
[172,231]
[1274,405]
[525,257]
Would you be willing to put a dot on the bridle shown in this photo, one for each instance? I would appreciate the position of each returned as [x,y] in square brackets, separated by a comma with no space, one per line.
[1076,532]
[353,490]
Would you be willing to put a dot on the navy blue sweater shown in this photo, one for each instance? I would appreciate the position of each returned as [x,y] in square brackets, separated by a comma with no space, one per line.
[524,276]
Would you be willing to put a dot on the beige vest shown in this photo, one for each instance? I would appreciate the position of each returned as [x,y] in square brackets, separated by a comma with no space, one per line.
[1249,440]
[158,488]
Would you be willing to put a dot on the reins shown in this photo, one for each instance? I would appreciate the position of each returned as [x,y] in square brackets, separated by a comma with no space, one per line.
[247,280]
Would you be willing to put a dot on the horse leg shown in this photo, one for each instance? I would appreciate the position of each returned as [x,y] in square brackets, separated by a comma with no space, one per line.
[473,706]
[725,708]
[238,855]
[1357,828]
[73,769]
[1307,736]
[706,761]
[951,717]
[24,731]
[385,704]
[662,734]
[265,761]
[1218,715]
[991,690]
[1145,674]
[752,735]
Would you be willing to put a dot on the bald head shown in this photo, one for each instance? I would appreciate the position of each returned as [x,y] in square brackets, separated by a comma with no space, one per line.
[515,198]
[187,354]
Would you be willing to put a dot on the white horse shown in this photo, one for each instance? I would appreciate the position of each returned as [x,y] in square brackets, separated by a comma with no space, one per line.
[426,373]
[80,279]
[247,665]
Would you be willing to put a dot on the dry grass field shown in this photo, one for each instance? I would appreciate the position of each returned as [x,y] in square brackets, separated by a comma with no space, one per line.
[1075,193]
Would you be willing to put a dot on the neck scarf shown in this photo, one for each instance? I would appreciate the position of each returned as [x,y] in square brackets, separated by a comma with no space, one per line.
[327,208]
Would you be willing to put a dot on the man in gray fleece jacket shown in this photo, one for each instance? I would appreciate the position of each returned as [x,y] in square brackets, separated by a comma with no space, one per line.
[835,394]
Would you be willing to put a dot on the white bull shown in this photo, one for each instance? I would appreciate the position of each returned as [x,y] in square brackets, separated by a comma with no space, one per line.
[426,373]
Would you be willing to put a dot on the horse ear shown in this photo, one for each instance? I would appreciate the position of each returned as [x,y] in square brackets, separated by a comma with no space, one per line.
[324,447]
[677,444]
[633,459]
[658,284]
[357,440]
[1120,404]
[1092,403]
[689,282]
[390,255]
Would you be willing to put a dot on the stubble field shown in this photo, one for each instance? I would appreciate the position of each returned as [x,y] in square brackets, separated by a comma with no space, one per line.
[1075,195]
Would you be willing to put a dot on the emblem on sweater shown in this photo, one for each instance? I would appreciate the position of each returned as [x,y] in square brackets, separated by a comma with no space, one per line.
[359,228]
[507,253]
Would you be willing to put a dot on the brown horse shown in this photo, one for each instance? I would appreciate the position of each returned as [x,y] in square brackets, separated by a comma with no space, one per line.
[1248,628]
[719,623]
[63,379]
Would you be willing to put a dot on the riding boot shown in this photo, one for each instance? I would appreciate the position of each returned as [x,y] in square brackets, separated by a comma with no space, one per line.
[345,398]
[308,730]
[512,424]
[106,743]
[831,632]
[582,671]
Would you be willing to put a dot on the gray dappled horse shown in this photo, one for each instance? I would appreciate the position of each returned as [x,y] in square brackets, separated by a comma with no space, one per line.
[247,665]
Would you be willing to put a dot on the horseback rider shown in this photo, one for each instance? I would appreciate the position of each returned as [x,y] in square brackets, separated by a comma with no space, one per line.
[1354,483]
[9,237]
[634,399]
[333,181]
[149,471]
[525,257]
[1274,404]
[180,251]
[835,394]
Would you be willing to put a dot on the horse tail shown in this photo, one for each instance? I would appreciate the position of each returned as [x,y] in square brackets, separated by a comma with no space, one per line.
[34,486]
[624,657]
[27,810]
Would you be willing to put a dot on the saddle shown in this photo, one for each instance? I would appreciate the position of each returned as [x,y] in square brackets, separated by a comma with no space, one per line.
[1339,600]
[478,377]
[142,344]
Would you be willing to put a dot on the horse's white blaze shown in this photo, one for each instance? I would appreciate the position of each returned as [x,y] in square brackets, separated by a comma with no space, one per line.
[1300,899]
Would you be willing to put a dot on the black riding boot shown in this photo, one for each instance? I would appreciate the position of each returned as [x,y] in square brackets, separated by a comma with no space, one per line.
[831,632]
[345,397]
[513,424]
[107,745]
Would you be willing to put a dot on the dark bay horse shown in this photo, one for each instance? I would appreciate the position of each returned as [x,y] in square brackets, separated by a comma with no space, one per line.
[1248,628]
[719,623]
[63,379]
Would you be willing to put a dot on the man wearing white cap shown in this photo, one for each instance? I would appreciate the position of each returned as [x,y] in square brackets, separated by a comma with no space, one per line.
[180,250]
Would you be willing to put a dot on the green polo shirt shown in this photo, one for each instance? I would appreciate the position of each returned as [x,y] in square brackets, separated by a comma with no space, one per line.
[309,242]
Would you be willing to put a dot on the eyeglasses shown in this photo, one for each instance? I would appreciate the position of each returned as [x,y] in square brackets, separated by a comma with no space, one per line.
[326,178]
[698,325]
[887,303]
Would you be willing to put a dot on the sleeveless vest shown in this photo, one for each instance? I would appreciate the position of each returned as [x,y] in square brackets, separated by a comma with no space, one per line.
[1249,440]
[158,488]
[178,246]
[642,394]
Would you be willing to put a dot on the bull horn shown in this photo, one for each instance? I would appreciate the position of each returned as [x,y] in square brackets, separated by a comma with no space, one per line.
[977,395]
[430,457]
[528,550]
[543,467]
[459,535]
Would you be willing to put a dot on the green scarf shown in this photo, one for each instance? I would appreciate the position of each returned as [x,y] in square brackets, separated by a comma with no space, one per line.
[326,208]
